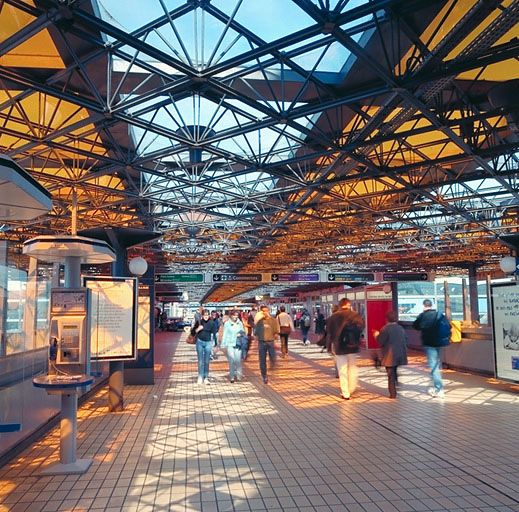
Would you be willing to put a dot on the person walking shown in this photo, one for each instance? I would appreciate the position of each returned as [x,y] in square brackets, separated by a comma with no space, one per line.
[305,323]
[393,349]
[343,330]
[286,326]
[250,331]
[266,330]
[320,324]
[427,323]
[204,330]
[233,329]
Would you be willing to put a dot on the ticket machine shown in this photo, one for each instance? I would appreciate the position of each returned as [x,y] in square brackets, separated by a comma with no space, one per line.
[70,328]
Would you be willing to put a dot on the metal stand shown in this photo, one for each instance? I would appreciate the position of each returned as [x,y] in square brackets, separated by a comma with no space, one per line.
[68,464]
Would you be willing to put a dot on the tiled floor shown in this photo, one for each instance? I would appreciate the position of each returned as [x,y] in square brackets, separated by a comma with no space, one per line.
[290,445]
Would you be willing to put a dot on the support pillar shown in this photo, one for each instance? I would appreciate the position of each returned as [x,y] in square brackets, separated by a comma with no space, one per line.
[465,296]
[447,298]
[473,294]
[72,272]
[116,387]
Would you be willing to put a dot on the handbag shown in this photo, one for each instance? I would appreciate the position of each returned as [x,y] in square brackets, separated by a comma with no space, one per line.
[191,340]
[285,329]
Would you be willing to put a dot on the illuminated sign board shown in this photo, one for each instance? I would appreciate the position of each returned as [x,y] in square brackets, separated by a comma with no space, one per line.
[344,276]
[229,278]
[306,278]
[179,278]
[403,276]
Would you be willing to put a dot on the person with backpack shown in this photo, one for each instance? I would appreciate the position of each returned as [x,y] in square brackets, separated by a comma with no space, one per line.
[343,330]
[305,323]
[435,332]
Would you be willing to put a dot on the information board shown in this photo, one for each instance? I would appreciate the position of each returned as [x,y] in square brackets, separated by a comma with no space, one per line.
[223,278]
[179,278]
[113,332]
[350,277]
[297,278]
[505,309]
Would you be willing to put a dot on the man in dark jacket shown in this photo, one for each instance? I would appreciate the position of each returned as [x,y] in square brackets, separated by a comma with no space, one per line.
[266,329]
[393,348]
[343,330]
[426,323]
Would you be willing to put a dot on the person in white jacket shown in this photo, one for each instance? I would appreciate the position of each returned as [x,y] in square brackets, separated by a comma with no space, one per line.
[232,329]
[286,326]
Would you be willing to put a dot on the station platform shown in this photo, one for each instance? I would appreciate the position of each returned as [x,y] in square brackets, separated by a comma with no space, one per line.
[291,445]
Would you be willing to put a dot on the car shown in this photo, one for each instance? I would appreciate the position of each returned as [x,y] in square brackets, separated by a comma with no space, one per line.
[176,324]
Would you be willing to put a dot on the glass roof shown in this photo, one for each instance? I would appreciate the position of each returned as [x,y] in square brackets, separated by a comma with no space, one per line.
[265,135]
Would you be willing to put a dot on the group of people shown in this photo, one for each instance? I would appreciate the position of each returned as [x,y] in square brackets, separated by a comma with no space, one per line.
[343,333]
[235,338]
[341,337]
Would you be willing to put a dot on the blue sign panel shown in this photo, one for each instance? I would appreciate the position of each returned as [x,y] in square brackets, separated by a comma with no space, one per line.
[405,276]
[306,278]
[343,276]
[226,278]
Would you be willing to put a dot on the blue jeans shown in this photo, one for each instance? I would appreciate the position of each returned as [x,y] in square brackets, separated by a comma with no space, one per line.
[203,352]
[234,358]
[435,363]
[264,347]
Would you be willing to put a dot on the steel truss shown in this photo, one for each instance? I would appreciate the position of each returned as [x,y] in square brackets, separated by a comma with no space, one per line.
[249,156]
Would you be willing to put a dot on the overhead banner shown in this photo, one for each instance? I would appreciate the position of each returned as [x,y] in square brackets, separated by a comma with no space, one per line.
[113,328]
[505,308]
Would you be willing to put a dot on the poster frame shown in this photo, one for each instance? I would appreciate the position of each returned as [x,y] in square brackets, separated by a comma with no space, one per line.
[122,356]
[497,327]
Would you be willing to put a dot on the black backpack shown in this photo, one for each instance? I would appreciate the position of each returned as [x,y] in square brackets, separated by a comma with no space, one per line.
[349,338]
[443,330]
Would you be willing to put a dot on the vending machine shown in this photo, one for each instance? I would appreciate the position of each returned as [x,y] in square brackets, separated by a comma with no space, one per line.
[372,302]
[70,331]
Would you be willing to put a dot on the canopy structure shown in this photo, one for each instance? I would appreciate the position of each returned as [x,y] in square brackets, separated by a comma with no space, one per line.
[296,135]
[57,249]
[21,196]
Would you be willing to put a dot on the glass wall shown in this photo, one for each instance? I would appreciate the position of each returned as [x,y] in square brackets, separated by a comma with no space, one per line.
[412,294]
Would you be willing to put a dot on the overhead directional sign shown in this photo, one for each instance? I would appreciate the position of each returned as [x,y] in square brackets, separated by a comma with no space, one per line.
[179,278]
[223,278]
[306,278]
[345,276]
[402,276]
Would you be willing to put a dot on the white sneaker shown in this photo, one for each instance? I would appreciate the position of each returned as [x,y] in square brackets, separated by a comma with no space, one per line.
[434,393]
[200,381]
[307,342]
[206,381]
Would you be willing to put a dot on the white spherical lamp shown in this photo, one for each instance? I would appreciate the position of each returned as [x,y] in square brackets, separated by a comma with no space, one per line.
[508,264]
[138,266]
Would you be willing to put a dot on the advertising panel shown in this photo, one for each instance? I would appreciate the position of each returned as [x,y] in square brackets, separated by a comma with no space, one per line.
[113,333]
[505,307]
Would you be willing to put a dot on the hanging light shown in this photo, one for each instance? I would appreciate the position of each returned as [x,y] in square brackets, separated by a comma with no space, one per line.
[138,266]
[508,264]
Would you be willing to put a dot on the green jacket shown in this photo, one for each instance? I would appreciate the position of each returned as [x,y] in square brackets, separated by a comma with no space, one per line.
[266,329]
